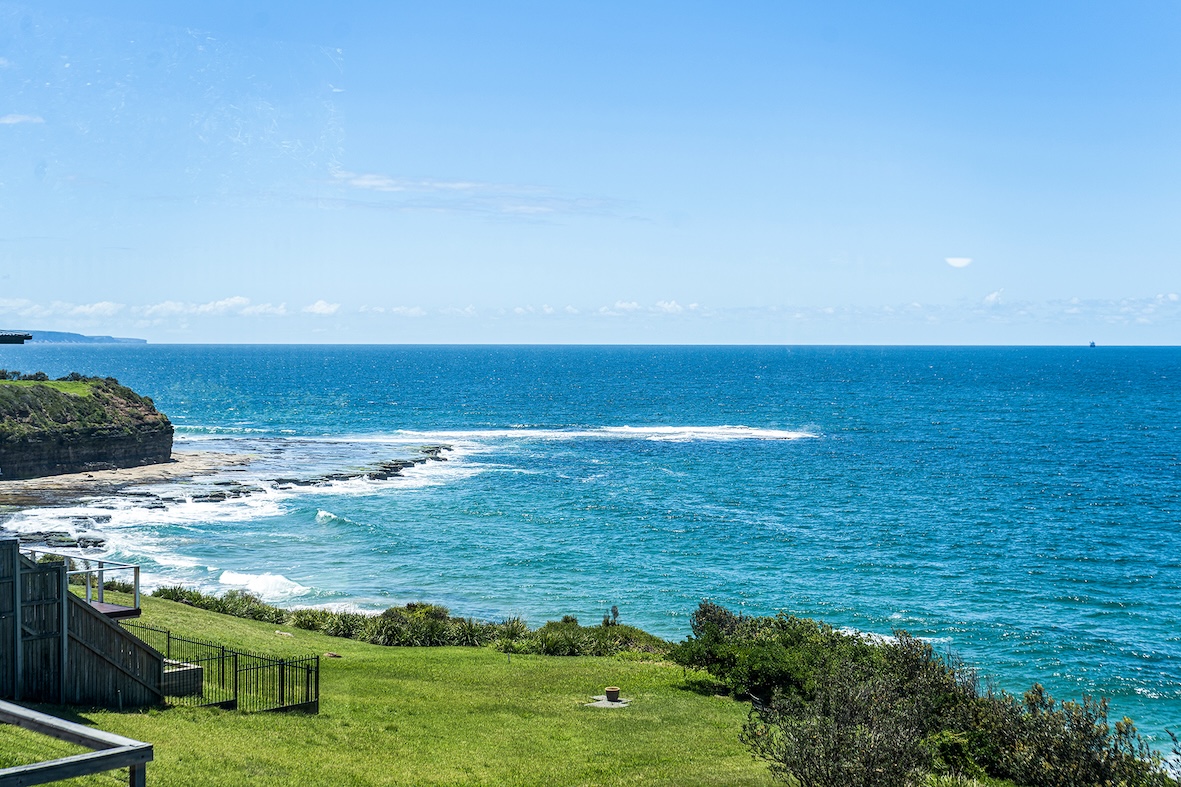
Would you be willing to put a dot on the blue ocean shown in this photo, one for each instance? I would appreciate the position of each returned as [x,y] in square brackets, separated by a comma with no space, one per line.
[1019,506]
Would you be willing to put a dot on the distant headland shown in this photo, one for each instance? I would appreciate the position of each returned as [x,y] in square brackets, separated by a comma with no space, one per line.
[62,337]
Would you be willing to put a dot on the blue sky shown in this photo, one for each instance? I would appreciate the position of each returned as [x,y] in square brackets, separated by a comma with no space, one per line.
[920,173]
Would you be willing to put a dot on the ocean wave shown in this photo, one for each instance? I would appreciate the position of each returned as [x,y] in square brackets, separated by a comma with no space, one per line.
[705,433]
[270,587]
[196,430]
[663,433]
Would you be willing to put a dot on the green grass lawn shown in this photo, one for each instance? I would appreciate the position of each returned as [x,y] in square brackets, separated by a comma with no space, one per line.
[435,716]
[65,386]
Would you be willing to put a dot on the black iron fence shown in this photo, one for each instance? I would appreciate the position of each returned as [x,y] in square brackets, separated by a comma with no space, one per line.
[206,673]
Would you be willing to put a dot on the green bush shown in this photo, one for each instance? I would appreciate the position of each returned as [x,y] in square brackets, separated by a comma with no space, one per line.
[309,619]
[837,709]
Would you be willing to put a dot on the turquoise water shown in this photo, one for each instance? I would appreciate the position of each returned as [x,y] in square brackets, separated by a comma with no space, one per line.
[1018,505]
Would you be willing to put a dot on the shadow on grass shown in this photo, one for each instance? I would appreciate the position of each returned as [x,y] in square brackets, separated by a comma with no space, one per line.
[75,713]
[704,685]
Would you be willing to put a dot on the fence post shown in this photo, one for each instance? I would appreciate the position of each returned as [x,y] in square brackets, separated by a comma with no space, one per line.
[168,644]
[282,681]
[18,598]
[235,677]
[100,581]
[65,624]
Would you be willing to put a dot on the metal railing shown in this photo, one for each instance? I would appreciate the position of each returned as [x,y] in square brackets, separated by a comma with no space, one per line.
[92,570]
[200,673]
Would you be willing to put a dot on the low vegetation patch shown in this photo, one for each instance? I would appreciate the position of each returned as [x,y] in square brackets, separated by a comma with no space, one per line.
[33,405]
[832,709]
[430,625]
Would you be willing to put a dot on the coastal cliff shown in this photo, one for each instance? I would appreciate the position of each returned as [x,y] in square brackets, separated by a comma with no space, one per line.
[76,424]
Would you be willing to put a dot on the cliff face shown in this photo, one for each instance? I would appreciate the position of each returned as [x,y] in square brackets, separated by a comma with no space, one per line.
[49,428]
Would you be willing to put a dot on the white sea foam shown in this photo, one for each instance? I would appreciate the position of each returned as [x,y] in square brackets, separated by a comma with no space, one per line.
[271,587]
[705,433]
[469,438]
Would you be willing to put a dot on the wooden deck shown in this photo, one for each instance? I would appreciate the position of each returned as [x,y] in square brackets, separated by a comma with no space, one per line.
[116,612]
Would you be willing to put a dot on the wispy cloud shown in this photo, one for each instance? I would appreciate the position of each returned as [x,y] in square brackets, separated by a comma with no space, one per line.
[15,120]
[958,262]
[660,308]
[22,307]
[372,181]
[401,311]
[234,305]
[100,309]
[993,298]
[265,309]
[322,307]
[381,190]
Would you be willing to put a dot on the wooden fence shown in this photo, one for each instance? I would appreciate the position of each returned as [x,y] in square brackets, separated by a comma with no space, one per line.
[56,648]
[110,751]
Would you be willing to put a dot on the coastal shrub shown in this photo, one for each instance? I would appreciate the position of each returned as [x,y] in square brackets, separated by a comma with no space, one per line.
[242,604]
[420,624]
[468,632]
[1044,743]
[853,732]
[239,603]
[309,619]
[344,624]
[836,708]
[757,656]
[512,629]
[424,610]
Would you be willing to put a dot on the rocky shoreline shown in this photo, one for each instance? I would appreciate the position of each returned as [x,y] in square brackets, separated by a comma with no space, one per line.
[69,489]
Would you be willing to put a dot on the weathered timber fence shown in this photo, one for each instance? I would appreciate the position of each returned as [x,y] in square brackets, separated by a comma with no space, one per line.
[110,751]
[56,648]
[206,673]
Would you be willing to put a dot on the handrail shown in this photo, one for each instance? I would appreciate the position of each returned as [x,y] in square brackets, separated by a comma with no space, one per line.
[110,751]
[103,567]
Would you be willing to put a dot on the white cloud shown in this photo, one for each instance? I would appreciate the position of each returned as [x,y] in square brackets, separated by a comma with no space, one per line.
[958,262]
[372,181]
[571,309]
[409,311]
[5,62]
[669,307]
[225,305]
[265,308]
[13,120]
[547,309]
[993,298]
[452,311]
[321,307]
[235,304]
[100,309]
[627,306]
[14,305]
